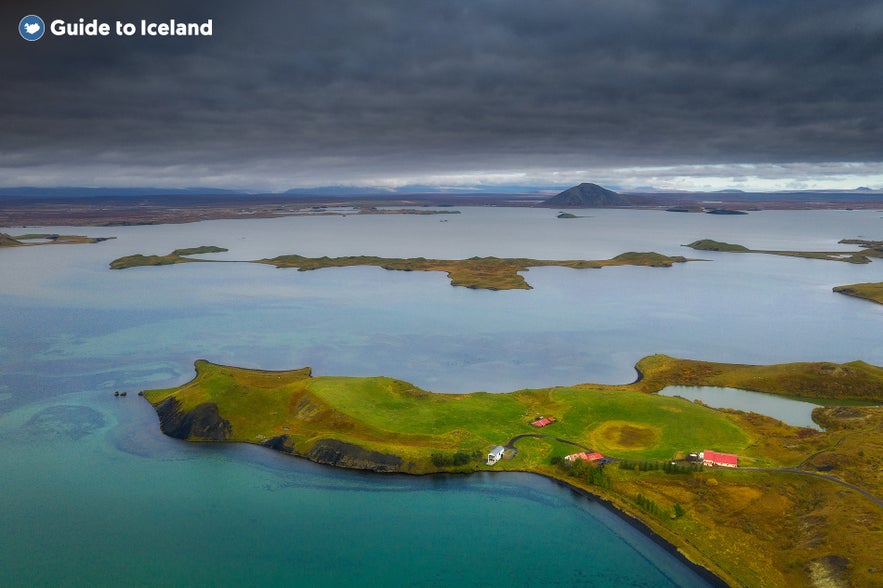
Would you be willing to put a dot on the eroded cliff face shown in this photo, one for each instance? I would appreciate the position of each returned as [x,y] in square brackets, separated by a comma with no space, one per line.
[281,443]
[347,455]
[203,423]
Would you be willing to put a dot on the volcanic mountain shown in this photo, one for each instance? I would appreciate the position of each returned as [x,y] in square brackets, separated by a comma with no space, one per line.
[587,195]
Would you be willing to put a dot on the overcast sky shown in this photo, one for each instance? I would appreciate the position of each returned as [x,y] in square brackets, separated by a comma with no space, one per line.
[626,93]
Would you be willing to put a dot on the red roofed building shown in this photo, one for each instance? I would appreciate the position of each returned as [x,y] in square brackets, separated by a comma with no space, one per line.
[593,457]
[542,422]
[713,458]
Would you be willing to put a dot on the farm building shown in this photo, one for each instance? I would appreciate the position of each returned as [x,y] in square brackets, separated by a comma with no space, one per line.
[495,455]
[713,458]
[593,457]
[543,421]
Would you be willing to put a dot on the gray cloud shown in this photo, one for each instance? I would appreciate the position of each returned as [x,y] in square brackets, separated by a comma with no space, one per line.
[300,93]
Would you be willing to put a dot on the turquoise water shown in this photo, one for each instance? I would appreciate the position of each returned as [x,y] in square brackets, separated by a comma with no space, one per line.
[788,410]
[94,495]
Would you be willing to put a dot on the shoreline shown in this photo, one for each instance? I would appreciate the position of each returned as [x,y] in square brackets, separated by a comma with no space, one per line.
[636,523]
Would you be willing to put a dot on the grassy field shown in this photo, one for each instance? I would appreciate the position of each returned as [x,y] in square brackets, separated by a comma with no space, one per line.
[759,525]
[490,273]
[392,416]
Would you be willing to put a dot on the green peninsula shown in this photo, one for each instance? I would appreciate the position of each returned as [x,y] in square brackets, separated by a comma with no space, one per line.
[803,504]
[488,273]
[30,239]
[870,249]
[872,291]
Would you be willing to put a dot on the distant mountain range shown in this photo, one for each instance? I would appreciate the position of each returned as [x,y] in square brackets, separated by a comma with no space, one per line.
[79,192]
[584,195]
[414,189]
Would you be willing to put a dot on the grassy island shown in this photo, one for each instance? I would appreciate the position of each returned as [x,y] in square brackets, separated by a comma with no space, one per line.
[7,240]
[176,256]
[804,505]
[489,273]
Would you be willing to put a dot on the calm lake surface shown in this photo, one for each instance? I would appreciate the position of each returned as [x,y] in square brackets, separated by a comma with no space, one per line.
[93,494]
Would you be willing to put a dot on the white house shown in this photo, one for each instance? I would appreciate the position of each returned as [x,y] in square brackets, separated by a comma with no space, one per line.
[495,455]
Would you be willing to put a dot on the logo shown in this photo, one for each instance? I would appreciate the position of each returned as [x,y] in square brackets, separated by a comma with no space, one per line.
[31,27]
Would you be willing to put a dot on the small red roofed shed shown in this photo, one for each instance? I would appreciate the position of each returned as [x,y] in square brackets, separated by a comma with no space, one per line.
[542,422]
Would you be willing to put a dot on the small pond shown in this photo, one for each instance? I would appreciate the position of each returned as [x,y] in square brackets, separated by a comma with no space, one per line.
[797,413]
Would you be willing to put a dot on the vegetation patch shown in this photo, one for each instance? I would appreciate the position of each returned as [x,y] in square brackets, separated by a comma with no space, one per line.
[615,436]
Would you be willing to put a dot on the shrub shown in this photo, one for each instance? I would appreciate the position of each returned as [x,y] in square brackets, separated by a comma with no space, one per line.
[461,458]
[441,460]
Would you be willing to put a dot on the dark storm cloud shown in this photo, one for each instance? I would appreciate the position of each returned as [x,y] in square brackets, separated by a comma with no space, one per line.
[323,92]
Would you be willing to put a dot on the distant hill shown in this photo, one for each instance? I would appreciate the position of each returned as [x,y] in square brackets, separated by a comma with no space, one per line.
[590,195]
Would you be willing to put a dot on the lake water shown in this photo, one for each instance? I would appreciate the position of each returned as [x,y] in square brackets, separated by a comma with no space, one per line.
[797,413]
[90,485]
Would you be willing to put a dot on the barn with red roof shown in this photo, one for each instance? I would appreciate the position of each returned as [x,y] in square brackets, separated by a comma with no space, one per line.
[713,458]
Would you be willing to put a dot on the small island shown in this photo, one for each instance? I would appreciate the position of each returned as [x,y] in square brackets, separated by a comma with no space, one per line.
[485,273]
[802,504]
[31,239]
[176,256]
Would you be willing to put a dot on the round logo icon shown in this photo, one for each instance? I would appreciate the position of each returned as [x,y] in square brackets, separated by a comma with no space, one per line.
[31,27]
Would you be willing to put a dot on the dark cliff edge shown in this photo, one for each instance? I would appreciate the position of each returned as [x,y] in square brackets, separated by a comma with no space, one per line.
[279,443]
[347,455]
[203,423]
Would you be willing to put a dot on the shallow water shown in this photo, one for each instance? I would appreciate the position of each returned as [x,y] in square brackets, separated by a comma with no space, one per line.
[91,486]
